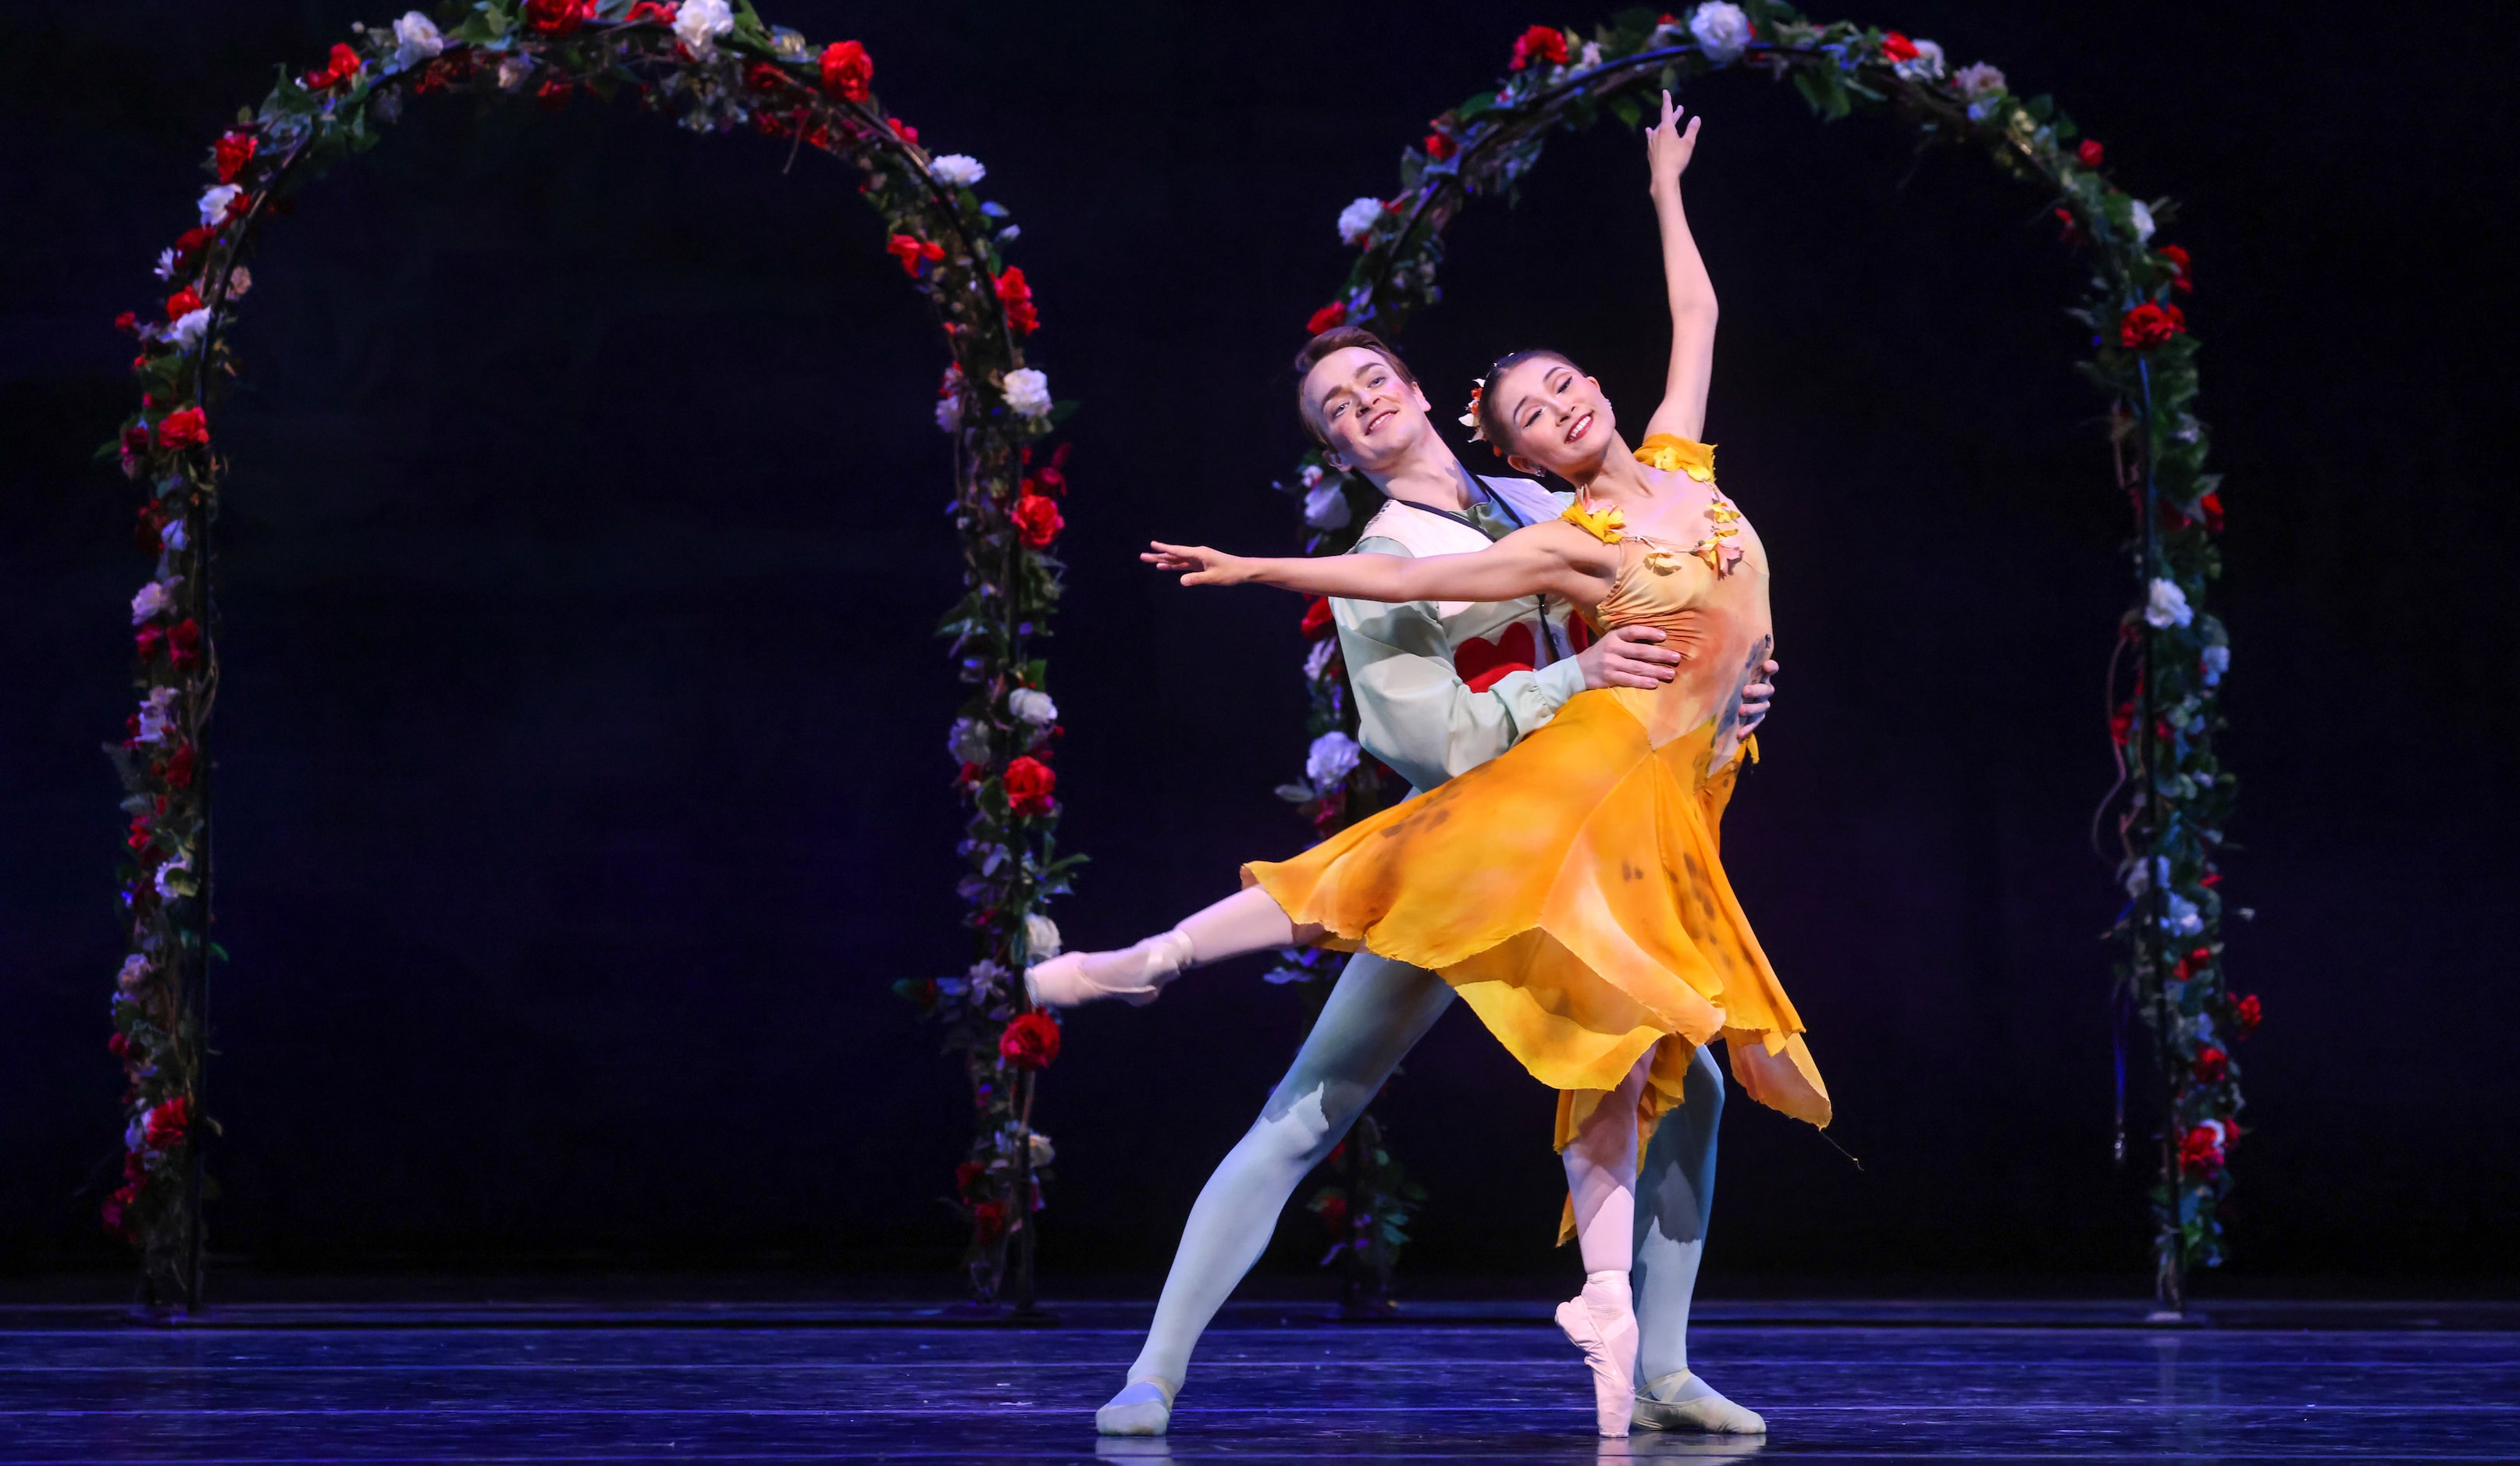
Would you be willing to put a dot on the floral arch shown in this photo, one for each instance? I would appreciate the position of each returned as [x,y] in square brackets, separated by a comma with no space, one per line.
[2173,797]
[714,68]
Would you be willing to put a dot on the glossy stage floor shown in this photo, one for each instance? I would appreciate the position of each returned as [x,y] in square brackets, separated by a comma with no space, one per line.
[1485,1382]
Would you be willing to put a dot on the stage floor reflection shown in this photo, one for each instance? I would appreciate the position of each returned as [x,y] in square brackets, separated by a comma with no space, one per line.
[1484,1383]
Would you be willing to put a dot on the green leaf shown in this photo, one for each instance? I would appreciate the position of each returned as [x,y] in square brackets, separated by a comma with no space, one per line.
[1624,107]
[1826,93]
[1475,106]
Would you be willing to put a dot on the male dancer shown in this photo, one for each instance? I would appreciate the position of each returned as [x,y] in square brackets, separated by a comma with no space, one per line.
[1419,715]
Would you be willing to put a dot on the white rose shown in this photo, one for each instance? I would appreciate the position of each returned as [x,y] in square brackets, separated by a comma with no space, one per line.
[1325,507]
[514,70]
[1041,937]
[416,40]
[240,281]
[2142,219]
[216,201]
[1028,392]
[135,971]
[1924,65]
[157,715]
[1042,1152]
[1333,759]
[1311,474]
[1356,221]
[700,22]
[152,600]
[175,877]
[969,742]
[2180,916]
[1722,32]
[2217,661]
[1590,56]
[1978,82]
[985,979]
[949,413]
[165,265]
[1318,660]
[187,330]
[960,169]
[2167,606]
[1032,706]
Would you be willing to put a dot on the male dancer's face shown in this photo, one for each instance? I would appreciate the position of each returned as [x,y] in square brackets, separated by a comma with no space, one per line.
[1369,416]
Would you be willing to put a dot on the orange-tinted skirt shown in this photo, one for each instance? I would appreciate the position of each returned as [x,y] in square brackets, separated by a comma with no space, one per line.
[1570,891]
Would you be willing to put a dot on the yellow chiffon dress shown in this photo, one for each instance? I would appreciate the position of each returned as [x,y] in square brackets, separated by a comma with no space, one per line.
[1569,889]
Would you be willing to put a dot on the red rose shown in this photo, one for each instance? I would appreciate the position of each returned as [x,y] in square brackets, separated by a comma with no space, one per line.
[166,1124]
[2149,325]
[2202,1152]
[553,95]
[1017,297]
[966,1174]
[1029,784]
[1440,145]
[1540,43]
[558,17]
[2213,1066]
[762,77]
[1037,520]
[1332,1210]
[903,130]
[909,250]
[1897,47]
[128,323]
[2176,258]
[138,839]
[183,429]
[1332,314]
[150,641]
[179,769]
[343,65]
[2211,505]
[1030,1042]
[988,1221]
[1317,617]
[182,303]
[119,1047]
[2091,152]
[650,9]
[2244,1015]
[848,73]
[184,641]
[1052,475]
[231,152]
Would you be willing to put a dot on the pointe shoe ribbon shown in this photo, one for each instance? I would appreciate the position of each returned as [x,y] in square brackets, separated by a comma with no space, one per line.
[1610,1348]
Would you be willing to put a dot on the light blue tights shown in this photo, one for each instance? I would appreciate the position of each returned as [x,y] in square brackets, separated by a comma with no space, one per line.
[1375,1014]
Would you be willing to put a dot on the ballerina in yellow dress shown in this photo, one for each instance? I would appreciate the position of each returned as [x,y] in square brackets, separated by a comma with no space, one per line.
[1570,889]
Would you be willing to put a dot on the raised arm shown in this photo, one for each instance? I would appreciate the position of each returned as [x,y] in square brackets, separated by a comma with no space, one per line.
[1552,558]
[1668,149]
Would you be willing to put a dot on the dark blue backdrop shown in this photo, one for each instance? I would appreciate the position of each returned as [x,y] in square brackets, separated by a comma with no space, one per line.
[582,773]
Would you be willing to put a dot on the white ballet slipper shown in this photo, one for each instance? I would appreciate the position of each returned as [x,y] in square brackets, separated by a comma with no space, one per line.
[1135,975]
[1144,1407]
[1601,1321]
[1682,1402]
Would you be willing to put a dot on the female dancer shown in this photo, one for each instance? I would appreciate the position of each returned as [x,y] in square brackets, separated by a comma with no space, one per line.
[1569,890]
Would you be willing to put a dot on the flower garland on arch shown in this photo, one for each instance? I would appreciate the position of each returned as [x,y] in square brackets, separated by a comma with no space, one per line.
[714,68]
[2178,797]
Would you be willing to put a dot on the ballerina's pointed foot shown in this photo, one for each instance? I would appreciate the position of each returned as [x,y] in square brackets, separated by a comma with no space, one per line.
[1601,1321]
[1143,1409]
[1683,1402]
[1135,975]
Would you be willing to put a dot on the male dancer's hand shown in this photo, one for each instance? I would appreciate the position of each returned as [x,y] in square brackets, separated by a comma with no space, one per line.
[1755,699]
[1628,657]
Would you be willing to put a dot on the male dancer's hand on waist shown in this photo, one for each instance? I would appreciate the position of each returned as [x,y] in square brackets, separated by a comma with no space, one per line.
[1628,657]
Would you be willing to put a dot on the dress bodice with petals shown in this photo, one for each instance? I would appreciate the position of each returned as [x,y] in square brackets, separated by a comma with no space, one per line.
[1710,602]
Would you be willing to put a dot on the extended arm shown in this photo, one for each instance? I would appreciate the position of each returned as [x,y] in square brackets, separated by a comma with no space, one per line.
[1552,558]
[1668,149]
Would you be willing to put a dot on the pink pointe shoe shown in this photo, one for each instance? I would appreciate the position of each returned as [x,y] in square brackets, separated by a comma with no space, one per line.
[1601,1321]
[1135,975]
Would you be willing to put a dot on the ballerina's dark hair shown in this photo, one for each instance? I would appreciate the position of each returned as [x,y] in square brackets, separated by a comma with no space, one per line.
[1492,422]
[1339,339]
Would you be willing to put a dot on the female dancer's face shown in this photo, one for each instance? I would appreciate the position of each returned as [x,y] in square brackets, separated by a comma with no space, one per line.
[1556,419]
[1370,416]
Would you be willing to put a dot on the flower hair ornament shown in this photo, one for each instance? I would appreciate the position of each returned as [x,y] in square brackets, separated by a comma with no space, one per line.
[1470,416]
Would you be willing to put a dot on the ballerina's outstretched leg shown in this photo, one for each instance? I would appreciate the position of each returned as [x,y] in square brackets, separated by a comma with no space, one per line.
[1247,921]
